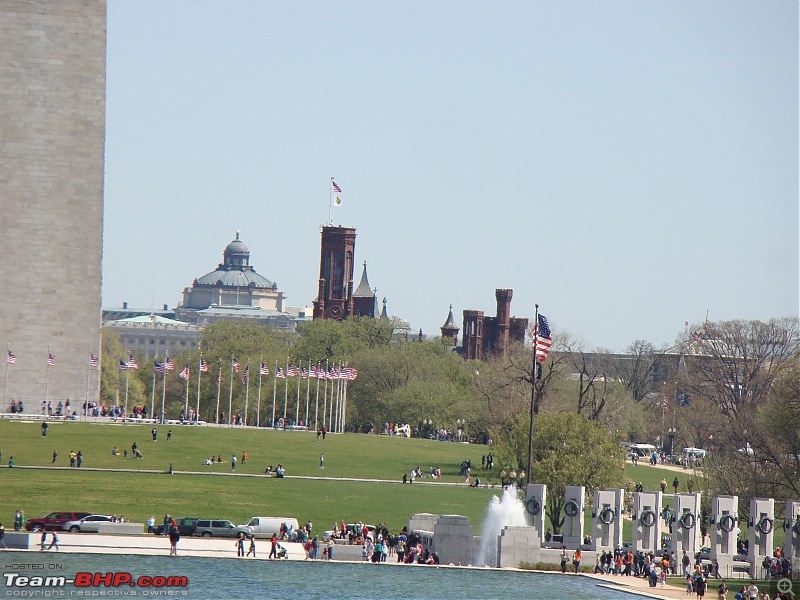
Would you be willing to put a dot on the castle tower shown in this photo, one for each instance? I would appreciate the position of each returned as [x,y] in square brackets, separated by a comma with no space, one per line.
[335,291]
[52,115]
[450,329]
[472,334]
[364,297]
[502,322]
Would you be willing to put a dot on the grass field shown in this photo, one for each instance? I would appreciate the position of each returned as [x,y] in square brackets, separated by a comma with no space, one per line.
[214,493]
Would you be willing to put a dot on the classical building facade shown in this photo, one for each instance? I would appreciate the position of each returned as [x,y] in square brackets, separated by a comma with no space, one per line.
[482,335]
[153,335]
[52,118]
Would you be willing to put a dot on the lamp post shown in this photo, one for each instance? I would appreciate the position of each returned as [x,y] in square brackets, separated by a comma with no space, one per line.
[671,433]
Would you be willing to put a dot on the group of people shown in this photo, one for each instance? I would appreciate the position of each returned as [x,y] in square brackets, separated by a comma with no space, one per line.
[279,470]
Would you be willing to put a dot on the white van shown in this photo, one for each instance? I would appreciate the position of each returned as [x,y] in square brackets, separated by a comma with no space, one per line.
[264,527]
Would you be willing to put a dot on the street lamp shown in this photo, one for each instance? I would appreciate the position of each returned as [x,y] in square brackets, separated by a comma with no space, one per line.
[671,432]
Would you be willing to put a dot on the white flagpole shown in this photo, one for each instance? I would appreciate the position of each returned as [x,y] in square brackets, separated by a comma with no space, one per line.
[274,387]
[47,382]
[230,396]
[286,391]
[5,387]
[153,390]
[127,380]
[186,402]
[331,424]
[197,408]
[163,389]
[308,390]
[247,394]
[316,402]
[88,374]
[325,397]
[297,404]
[219,390]
[258,405]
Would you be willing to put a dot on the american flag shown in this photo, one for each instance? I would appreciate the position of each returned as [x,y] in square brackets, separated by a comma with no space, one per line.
[321,373]
[303,372]
[219,374]
[11,358]
[93,361]
[542,338]
[336,188]
[235,364]
[279,374]
[185,373]
[132,363]
[664,404]
[122,365]
[333,374]
[159,367]
[293,371]
[246,375]
[350,373]
[263,370]
[203,365]
[169,365]
[51,360]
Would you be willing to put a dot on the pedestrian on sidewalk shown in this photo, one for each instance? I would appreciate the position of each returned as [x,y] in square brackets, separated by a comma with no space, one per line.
[321,461]
[54,542]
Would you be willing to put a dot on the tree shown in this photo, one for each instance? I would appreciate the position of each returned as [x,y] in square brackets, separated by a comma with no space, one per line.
[735,363]
[567,450]
[636,369]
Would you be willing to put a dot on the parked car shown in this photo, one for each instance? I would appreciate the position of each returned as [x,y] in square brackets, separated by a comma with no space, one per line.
[54,521]
[185,526]
[264,527]
[90,524]
[218,528]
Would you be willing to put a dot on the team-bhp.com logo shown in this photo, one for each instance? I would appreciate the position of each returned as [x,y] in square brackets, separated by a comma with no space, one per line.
[94,584]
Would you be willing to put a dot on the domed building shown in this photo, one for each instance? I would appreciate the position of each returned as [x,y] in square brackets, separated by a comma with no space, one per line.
[234,283]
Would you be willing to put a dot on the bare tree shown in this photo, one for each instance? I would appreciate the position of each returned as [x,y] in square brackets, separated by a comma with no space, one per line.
[734,363]
[636,368]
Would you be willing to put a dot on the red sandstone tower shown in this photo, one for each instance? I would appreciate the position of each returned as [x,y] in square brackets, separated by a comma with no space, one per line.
[335,293]
[491,335]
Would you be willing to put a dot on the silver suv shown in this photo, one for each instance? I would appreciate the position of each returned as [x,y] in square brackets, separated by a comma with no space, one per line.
[218,528]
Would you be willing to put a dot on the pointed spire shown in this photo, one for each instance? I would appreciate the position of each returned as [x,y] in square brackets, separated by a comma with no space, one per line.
[384,314]
[363,290]
[450,323]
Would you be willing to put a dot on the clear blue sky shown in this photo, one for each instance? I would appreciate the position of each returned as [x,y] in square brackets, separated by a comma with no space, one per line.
[627,165]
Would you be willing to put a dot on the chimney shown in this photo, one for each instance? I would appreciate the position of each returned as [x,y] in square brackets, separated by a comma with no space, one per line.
[124,305]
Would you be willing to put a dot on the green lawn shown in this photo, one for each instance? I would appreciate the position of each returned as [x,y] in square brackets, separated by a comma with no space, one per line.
[139,495]
[351,455]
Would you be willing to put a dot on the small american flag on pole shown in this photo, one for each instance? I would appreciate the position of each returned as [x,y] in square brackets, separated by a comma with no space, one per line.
[11,358]
[235,364]
[51,360]
[203,366]
[132,363]
[159,367]
[336,187]
[279,374]
[185,373]
[93,361]
[263,370]
[169,365]
[293,371]
[246,375]
[542,339]
[219,374]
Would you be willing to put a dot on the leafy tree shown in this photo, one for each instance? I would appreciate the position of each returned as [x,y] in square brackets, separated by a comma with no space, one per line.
[341,340]
[567,450]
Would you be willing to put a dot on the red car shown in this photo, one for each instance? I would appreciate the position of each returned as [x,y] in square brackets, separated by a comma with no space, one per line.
[54,521]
